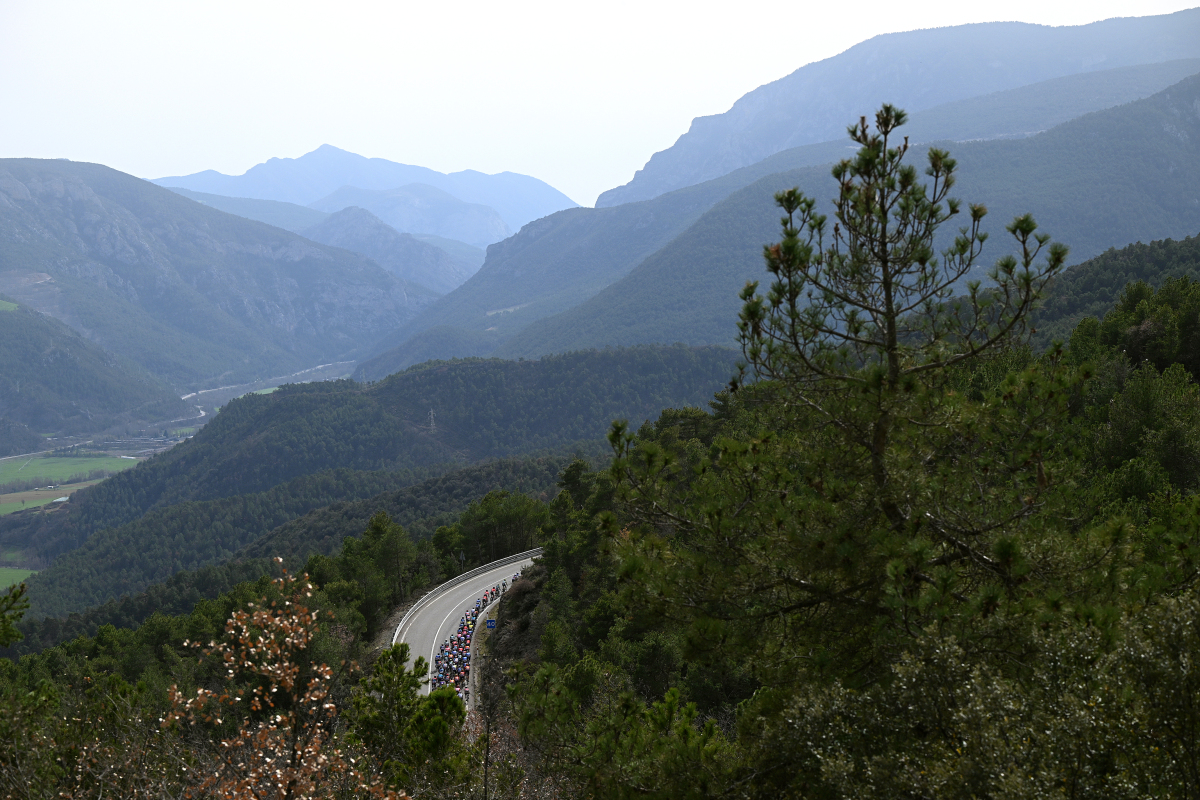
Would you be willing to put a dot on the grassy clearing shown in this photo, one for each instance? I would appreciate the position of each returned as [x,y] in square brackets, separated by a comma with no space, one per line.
[7,306]
[47,469]
[15,501]
[8,508]
[11,575]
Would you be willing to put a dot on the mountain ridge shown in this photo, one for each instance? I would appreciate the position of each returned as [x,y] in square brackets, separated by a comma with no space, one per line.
[925,68]
[54,381]
[563,260]
[191,294]
[408,258]
[517,198]
[420,208]
[1105,179]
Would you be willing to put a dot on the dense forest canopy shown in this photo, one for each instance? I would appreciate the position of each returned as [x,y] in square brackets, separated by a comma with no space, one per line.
[312,514]
[479,409]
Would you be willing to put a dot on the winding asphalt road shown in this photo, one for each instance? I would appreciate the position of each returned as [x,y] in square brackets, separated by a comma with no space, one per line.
[438,617]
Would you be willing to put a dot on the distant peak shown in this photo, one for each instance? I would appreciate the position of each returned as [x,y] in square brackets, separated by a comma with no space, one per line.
[328,150]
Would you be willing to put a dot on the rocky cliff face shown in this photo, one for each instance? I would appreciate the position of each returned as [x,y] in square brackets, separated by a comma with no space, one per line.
[193,294]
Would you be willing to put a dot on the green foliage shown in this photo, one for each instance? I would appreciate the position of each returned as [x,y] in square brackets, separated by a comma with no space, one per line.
[313,514]
[95,738]
[498,524]
[187,536]
[878,501]
[12,606]
[1095,286]
[622,748]
[175,596]
[1154,420]
[405,732]
[1159,326]
[85,713]
[371,575]
[913,561]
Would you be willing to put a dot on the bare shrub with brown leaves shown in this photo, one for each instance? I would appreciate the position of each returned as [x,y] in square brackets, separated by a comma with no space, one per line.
[283,746]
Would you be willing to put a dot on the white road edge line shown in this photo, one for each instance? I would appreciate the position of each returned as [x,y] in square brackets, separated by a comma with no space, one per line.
[441,589]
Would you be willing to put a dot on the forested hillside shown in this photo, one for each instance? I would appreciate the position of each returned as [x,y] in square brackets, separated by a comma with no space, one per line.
[550,265]
[190,294]
[1093,287]
[308,515]
[1103,180]
[56,382]
[259,443]
[16,439]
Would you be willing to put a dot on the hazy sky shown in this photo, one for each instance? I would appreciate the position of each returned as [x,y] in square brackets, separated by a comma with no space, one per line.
[579,95]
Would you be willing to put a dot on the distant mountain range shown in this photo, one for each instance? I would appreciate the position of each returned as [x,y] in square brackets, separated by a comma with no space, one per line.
[915,70]
[516,199]
[671,267]
[1104,180]
[302,219]
[421,208]
[401,254]
[333,256]
[192,295]
[288,216]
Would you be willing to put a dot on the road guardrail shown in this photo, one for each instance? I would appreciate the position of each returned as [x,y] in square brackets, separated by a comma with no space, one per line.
[441,588]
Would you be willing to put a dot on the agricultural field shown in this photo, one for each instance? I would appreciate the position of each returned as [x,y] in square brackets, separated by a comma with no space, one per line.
[15,501]
[11,575]
[44,470]
[7,306]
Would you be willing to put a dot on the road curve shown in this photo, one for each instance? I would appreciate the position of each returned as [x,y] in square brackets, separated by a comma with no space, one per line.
[437,614]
